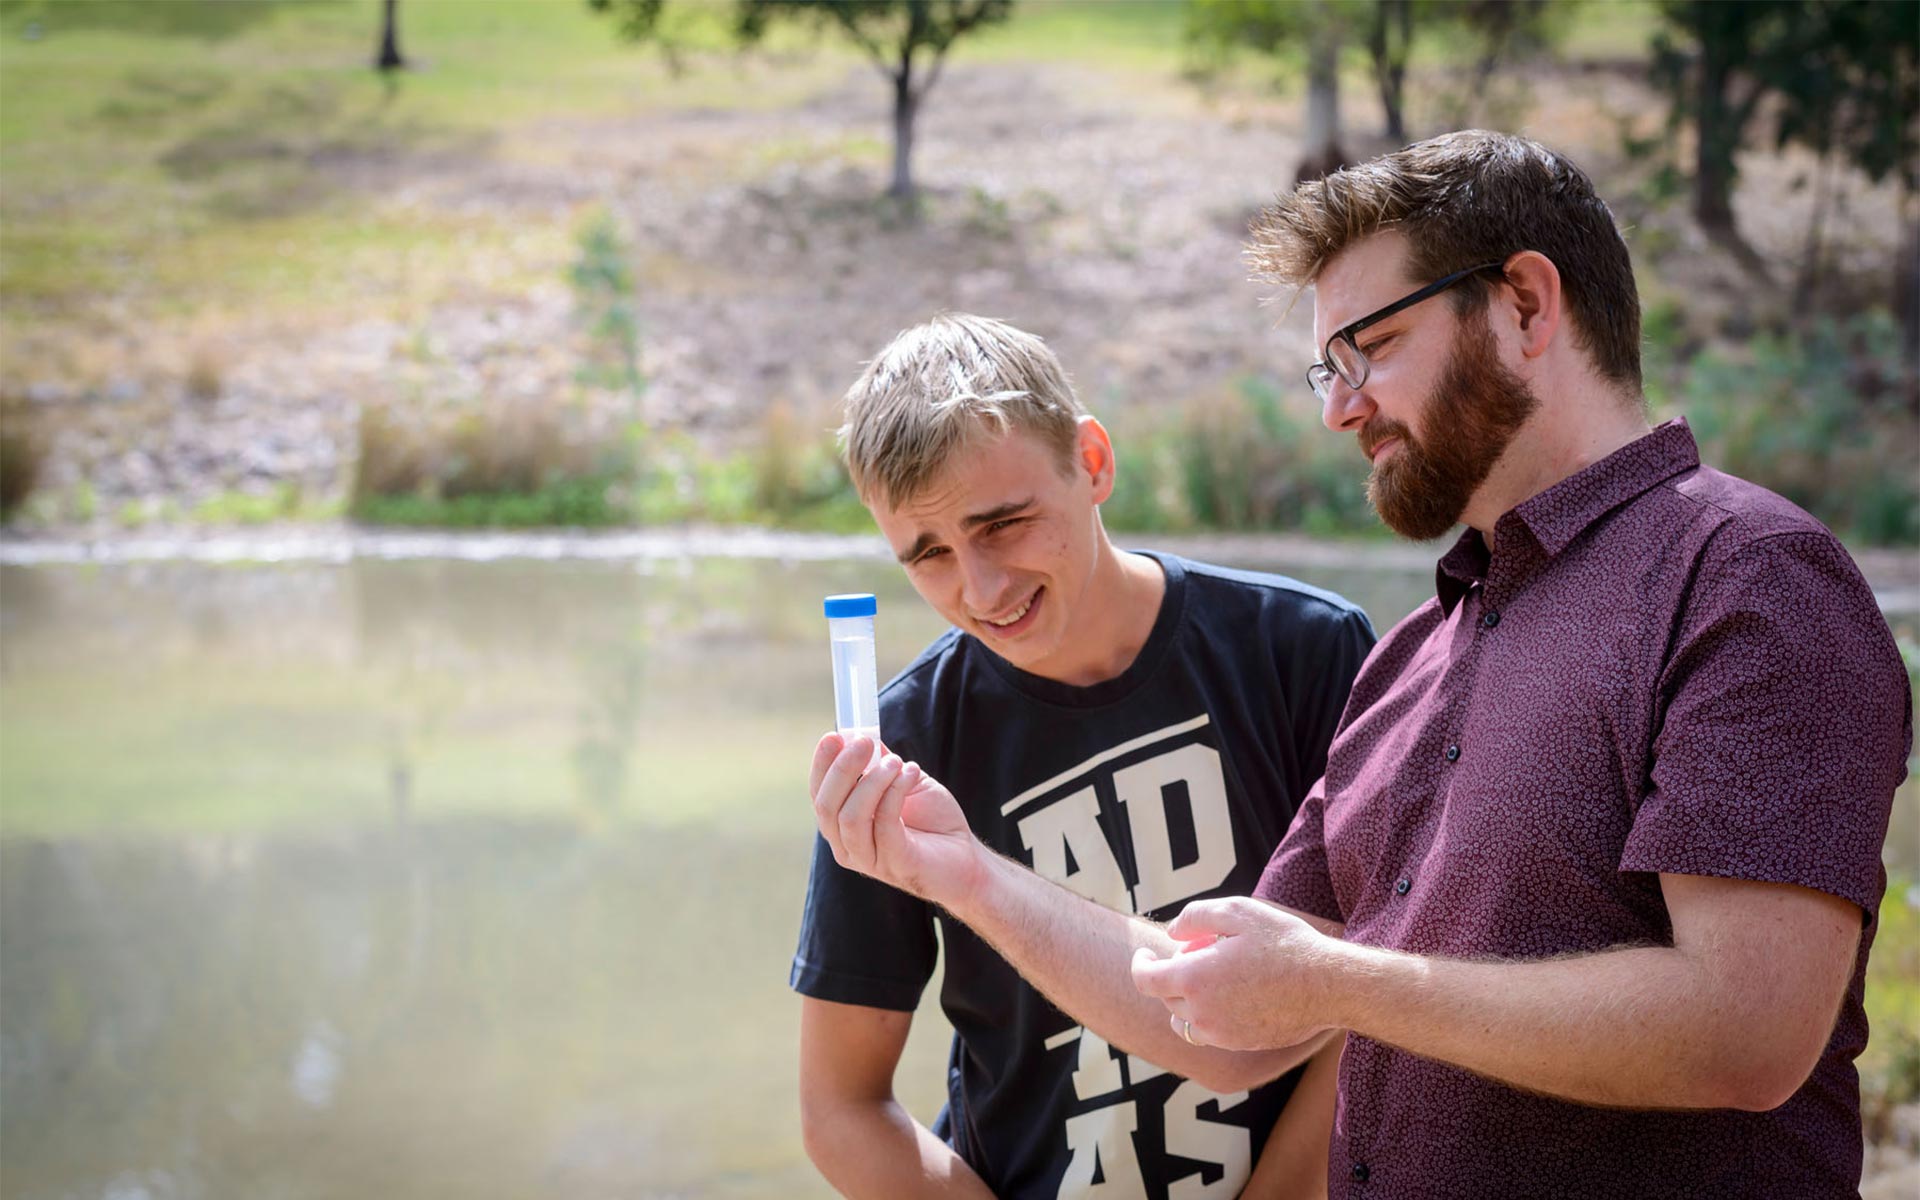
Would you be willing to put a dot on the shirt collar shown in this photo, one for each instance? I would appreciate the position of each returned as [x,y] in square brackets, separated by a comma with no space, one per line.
[1552,519]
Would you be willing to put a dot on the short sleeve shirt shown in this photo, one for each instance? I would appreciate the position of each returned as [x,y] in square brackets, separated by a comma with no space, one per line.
[1659,668]
[1170,783]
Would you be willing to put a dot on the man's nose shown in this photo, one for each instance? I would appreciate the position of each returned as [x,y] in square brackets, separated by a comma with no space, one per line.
[985,583]
[1345,409]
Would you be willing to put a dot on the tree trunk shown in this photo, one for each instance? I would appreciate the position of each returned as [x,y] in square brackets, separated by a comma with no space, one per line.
[1714,143]
[1719,124]
[389,59]
[905,104]
[1906,277]
[1808,282]
[1389,65]
[1323,153]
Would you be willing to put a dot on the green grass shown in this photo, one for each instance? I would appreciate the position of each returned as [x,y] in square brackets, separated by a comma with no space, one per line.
[1114,33]
[194,158]
[579,503]
[190,156]
[1888,1065]
[284,503]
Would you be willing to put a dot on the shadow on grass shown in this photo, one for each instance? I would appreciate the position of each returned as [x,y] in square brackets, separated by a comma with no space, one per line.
[294,145]
[160,18]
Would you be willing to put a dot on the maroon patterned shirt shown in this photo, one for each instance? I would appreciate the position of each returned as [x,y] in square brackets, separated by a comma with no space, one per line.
[1661,669]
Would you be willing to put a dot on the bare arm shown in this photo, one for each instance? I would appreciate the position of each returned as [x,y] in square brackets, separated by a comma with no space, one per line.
[861,1138]
[1293,1165]
[1077,953]
[1734,1014]
[903,827]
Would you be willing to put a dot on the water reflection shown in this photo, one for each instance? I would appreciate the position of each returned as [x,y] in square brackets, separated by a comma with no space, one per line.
[421,878]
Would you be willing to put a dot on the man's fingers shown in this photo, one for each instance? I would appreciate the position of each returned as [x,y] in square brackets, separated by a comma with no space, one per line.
[857,814]
[886,817]
[1203,921]
[1153,975]
[824,752]
[1186,1030]
[836,785]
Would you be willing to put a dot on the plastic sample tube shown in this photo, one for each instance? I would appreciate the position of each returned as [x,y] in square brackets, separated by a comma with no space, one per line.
[856,688]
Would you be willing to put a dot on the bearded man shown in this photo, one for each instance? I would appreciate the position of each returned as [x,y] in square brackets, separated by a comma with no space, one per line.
[1592,876]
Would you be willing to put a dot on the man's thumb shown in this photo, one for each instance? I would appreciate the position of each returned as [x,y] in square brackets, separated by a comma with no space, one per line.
[1203,922]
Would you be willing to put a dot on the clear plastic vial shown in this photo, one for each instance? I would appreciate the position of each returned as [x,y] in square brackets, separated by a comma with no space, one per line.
[856,688]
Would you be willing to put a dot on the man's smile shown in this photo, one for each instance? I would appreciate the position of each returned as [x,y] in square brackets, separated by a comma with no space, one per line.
[1017,619]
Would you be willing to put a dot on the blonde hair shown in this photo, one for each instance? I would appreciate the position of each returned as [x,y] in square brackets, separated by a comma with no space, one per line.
[939,386]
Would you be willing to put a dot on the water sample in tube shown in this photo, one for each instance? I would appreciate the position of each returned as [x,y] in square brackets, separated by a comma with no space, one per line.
[856,687]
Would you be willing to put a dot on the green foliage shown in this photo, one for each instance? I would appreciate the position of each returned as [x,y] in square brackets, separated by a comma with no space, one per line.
[1843,76]
[581,502]
[888,30]
[1280,30]
[1825,416]
[1147,497]
[907,40]
[283,503]
[1252,458]
[1485,32]
[1890,1067]
[604,305]
[633,20]
[786,479]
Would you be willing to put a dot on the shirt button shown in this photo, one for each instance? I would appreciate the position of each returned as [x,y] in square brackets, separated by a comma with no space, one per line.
[1403,887]
[1360,1172]
[1453,753]
[1491,619]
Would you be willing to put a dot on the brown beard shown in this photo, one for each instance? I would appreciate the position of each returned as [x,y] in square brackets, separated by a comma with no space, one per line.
[1470,416]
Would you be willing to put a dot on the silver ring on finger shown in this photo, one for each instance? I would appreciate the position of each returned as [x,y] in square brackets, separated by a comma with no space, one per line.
[1186,1032]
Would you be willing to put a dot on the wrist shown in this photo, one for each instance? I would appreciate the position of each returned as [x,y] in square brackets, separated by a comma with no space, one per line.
[1348,977]
[974,890]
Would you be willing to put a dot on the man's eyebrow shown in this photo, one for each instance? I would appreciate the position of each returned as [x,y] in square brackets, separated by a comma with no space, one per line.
[919,547]
[973,521]
[1000,513]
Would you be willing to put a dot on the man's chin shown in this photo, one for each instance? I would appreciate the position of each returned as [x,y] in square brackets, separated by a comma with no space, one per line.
[1415,523]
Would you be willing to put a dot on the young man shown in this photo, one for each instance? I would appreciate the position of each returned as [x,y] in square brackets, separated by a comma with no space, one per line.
[1136,727]
[1602,824]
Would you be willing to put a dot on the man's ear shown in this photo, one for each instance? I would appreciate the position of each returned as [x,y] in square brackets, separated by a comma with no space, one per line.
[1534,303]
[1093,454]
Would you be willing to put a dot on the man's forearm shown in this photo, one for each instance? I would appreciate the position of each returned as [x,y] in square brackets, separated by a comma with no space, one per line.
[1078,954]
[879,1151]
[1642,1027]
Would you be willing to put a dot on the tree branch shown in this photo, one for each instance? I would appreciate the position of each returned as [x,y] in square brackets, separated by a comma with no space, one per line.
[852,29]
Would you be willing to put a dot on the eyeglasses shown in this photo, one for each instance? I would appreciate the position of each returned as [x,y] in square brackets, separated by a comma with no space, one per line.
[1342,354]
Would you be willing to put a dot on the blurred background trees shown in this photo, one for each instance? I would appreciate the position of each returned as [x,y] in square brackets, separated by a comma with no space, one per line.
[240,281]
[1310,37]
[1841,77]
[389,57]
[906,41]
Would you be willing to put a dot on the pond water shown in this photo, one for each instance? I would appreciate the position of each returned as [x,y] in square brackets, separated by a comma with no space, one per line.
[427,877]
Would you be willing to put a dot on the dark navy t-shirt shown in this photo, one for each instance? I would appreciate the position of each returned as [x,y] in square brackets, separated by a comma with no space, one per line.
[1170,783]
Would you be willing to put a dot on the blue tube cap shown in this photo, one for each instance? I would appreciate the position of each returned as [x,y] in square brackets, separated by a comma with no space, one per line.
[854,604]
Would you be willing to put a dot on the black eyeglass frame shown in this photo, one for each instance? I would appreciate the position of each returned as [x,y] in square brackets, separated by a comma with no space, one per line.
[1320,374]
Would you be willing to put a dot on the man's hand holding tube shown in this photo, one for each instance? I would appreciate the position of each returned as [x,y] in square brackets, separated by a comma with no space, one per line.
[892,822]
[1251,978]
